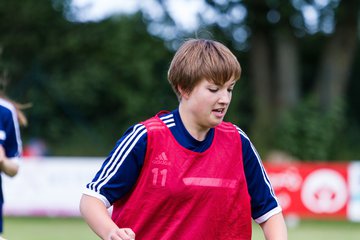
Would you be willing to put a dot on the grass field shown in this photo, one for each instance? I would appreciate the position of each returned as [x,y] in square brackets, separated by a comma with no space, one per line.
[22,228]
[26,228]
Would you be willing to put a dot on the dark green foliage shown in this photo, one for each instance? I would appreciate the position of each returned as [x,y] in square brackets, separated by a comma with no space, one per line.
[308,133]
[87,81]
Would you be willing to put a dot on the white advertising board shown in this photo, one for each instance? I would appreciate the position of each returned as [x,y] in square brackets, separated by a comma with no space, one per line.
[354,187]
[48,186]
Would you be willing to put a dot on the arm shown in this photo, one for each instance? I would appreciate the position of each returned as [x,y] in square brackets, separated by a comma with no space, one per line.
[110,185]
[97,217]
[7,166]
[266,210]
[10,140]
[274,228]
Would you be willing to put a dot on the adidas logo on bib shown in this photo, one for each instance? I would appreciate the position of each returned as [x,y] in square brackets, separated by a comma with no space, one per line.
[161,159]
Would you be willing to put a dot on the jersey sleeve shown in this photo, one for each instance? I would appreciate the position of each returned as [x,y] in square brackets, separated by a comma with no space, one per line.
[9,132]
[264,203]
[121,168]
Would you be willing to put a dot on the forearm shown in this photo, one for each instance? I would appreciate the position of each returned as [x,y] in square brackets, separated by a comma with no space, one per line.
[96,216]
[9,167]
[274,228]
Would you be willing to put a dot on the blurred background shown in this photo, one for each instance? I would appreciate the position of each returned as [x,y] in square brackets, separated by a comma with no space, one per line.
[91,69]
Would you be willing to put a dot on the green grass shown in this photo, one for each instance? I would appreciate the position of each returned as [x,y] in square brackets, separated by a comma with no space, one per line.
[319,230]
[31,228]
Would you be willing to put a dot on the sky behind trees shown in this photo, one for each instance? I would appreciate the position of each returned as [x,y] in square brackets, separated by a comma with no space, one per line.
[184,11]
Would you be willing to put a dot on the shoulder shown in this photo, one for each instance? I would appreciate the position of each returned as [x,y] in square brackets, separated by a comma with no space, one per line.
[240,131]
[5,103]
[140,130]
[6,107]
[245,140]
[134,132]
[228,126]
[159,121]
[8,115]
[243,135]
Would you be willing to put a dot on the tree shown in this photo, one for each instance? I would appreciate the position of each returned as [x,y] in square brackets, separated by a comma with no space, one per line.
[337,55]
[290,66]
[87,81]
[291,60]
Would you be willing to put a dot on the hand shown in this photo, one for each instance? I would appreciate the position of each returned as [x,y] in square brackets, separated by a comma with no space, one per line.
[122,234]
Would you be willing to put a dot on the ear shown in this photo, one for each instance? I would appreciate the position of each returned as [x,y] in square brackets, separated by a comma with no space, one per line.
[183,93]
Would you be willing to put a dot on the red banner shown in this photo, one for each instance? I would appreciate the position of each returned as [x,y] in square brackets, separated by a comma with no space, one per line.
[311,190]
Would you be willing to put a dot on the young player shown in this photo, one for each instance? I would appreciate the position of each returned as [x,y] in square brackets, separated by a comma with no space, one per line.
[186,174]
[10,141]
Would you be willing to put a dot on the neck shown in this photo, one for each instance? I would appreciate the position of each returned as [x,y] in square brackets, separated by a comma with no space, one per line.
[196,131]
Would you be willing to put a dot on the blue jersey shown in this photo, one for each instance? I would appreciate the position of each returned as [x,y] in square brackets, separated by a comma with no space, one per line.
[9,135]
[9,130]
[122,167]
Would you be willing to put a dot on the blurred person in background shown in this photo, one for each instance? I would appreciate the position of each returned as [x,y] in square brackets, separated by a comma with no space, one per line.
[186,174]
[11,117]
[35,147]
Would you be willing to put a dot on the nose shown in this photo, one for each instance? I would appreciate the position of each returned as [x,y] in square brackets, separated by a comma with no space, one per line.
[225,97]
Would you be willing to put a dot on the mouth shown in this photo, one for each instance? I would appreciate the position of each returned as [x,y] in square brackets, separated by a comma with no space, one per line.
[219,112]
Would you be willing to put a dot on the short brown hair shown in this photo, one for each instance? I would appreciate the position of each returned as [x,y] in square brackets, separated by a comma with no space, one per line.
[199,59]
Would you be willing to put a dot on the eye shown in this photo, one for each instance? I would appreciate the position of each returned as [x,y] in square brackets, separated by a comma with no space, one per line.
[213,90]
[230,90]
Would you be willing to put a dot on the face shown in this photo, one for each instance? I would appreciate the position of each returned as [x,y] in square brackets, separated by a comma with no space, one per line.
[206,106]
